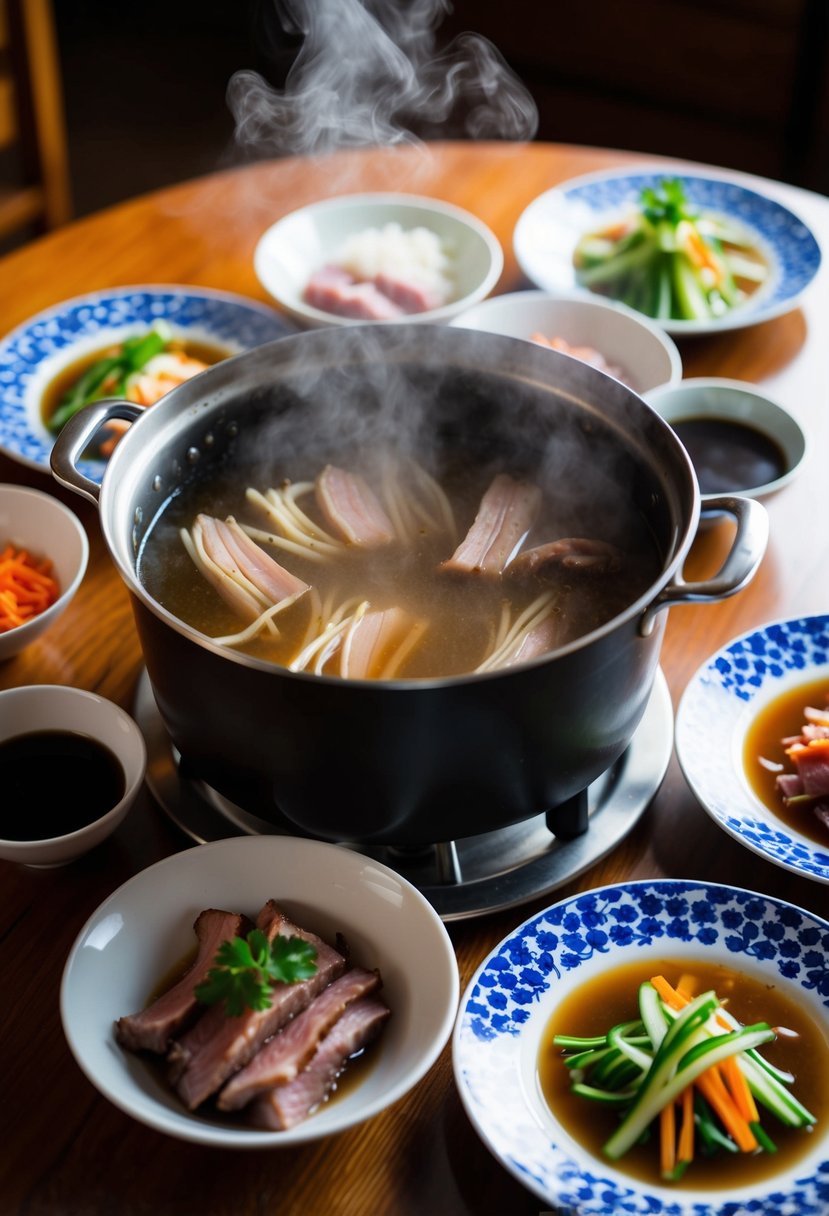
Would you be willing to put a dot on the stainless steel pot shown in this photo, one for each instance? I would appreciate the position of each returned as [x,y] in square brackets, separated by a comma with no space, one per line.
[414,762]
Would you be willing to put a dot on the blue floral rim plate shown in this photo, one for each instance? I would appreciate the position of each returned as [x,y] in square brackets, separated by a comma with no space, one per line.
[507,1005]
[548,229]
[715,711]
[36,351]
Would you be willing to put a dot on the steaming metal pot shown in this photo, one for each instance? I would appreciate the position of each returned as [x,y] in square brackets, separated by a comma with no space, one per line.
[402,762]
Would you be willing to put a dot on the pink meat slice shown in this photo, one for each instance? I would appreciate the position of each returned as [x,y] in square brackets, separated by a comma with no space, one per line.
[334,290]
[284,1106]
[409,296]
[228,545]
[572,553]
[812,763]
[379,638]
[154,1027]
[218,1045]
[507,511]
[284,1056]
[352,509]
[546,636]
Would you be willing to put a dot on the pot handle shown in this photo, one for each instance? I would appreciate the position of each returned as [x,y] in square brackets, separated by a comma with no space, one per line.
[736,571]
[76,436]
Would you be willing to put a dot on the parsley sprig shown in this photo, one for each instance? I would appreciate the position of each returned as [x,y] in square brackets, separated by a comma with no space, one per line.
[245,970]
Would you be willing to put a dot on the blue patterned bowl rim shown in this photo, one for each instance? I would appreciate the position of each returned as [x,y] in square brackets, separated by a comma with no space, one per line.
[715,711]
[33,353]
[547,231]
[507,1004]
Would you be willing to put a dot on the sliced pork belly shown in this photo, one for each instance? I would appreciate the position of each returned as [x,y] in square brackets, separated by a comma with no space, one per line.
[507,512]
[218,1045]
[154,1027]
[812,763]
[571,553]
[285,1055]
[286,1105]
[352,509]
[378,643]
[245,576]
[335,290]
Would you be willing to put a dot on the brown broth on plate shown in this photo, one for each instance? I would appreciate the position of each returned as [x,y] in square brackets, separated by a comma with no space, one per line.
[782,718]
[611,998]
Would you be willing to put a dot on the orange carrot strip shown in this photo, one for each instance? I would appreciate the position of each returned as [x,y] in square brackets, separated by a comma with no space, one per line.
[735,1079]
[667,1139]
[27,586]
[685,1146]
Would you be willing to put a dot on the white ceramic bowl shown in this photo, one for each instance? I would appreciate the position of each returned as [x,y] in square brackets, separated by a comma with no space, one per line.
[305,240]
[145,927]
[55,707]
[743,404]
[641,349]
[41,524]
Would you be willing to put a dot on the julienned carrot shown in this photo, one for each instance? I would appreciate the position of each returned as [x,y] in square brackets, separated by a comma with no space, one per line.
[27,587]
[667,1139]
[685,1147]
[712,1086]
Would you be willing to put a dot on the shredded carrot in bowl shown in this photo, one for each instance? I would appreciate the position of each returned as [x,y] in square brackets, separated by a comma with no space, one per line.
[27,587]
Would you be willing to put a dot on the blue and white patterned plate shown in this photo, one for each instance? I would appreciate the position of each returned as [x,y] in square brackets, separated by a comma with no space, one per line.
[719,704]
[508,1003]
[547,231]
[34,353]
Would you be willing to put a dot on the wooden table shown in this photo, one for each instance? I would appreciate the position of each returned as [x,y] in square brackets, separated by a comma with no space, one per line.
[65,1150]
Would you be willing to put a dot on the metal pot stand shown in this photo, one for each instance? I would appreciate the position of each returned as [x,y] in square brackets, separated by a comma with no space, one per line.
[464,878]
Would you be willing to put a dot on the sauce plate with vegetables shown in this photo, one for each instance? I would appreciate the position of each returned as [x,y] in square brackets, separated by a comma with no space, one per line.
[738,723]
[697,253]
[136,342]
[659,1046]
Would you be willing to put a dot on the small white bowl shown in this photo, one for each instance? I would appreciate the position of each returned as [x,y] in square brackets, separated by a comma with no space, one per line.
[146,927]
[293,248]
[742,405]
[55,707]
[644,353]
[41,524]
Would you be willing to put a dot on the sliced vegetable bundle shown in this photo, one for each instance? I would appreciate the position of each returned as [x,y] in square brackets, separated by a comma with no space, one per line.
[669,260]
[688,1063]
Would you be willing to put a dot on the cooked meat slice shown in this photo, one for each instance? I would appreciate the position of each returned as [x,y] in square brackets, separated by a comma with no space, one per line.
[572,552]
[378,643]
[218,1045]
[154,1027]
[507,511]
[286,1105]
[287,1053]
[812,763]
[352,509]
[408,295]
[245,576]
[334,290]
[541,639]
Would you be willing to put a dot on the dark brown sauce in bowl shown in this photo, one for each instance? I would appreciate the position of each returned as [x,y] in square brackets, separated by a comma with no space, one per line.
[730,456]
[611,998]
[780,719]
[56,782]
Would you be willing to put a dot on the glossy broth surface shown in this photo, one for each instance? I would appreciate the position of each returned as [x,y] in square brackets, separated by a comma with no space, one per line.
[604,1001]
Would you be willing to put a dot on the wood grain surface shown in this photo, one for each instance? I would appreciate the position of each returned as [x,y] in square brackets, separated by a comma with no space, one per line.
[65,1150]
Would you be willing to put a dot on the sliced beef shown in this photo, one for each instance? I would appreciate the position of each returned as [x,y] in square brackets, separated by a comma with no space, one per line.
[407,294]
[506,513]
[812,763]
[285,1055]
[352,509]
[154,1027]
[570,553]
[218,1045]
[286,1105]
[335,290]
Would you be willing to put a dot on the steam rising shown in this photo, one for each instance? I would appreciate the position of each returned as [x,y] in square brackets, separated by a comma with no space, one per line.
[369,73]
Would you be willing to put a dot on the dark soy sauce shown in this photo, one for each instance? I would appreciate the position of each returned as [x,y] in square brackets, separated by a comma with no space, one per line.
[55,782]
[729,456]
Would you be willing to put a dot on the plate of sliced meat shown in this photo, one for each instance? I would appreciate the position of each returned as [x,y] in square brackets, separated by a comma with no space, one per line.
[257,992]
[752,738]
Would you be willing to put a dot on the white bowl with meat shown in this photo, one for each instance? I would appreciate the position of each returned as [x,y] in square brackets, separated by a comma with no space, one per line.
[609,336]
[378,257]
[259,992]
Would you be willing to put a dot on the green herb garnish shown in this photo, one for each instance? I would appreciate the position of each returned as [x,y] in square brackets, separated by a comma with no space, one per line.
[246,969]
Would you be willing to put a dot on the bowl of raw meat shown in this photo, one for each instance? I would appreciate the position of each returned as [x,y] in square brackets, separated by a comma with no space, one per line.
[259,992]
[609,336]
[377,258]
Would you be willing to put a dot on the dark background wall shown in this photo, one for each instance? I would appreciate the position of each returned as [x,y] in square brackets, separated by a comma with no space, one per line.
[738,83]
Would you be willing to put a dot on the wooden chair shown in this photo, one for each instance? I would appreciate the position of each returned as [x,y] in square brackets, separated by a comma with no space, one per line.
[35,193]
